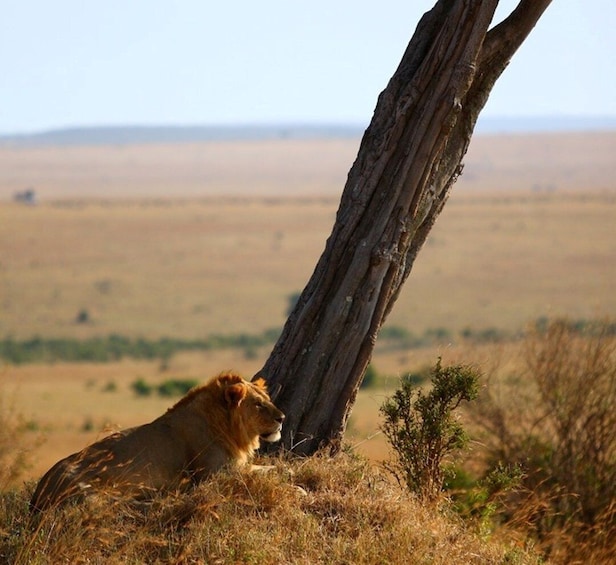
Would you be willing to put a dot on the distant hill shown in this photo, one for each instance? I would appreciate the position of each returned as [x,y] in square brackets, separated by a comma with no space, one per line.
[131,134]
[545,124]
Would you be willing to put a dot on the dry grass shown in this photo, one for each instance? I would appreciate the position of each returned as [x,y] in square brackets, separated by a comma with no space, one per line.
[292,167]
[194,268]
[16,442]
[343,512]
[190,239]
[553,416]
[155,269]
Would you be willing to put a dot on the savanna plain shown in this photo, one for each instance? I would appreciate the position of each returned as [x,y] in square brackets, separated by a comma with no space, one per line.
[189,241]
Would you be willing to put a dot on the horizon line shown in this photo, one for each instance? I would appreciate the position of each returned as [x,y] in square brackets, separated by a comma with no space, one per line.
[123,133]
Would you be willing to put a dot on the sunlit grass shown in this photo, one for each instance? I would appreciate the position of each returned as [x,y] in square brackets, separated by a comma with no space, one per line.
[318,510]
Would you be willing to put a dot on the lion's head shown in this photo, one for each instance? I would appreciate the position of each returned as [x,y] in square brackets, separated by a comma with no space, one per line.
[240,413]
[254,408]
[219,424]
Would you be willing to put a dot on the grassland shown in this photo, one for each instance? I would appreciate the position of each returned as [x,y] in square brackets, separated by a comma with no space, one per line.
[142,240]
[291,168]
[194,268]
[320,510]
[201,239]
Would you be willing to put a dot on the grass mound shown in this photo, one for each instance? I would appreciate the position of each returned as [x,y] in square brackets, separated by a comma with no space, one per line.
[316,510]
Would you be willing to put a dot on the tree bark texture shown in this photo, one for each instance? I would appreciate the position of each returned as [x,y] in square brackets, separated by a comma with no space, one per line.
[409,158]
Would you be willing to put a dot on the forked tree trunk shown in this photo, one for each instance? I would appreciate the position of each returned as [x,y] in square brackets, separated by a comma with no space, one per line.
[408,160]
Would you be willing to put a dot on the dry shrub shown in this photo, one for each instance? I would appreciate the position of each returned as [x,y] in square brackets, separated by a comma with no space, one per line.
[314,510]
[14,443]
[557,421]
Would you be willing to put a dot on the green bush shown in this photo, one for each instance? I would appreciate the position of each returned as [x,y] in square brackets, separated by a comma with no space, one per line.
[479,501]
[176,387]
[141,388]
[370,377]
[83,317]
[110,386]
[422,430]
[168,388]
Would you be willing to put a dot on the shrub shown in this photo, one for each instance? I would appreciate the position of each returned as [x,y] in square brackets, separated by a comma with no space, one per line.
[110,386]
[485,335]
[88,424]
[560,431]
[370,378]
[422,430]
[83,317]
[395,333]
[141,388]
[437,335]
[170,387]
[176,387]
[480,501]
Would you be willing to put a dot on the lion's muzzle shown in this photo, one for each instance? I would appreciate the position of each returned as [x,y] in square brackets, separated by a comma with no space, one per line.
[276,434]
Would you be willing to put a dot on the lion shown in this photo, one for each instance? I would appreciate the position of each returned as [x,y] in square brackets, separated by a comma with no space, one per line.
[215,426]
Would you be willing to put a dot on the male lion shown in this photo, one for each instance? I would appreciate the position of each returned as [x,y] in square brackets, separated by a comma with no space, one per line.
[216,425]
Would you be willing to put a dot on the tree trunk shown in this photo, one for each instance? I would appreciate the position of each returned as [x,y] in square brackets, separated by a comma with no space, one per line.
[408,160]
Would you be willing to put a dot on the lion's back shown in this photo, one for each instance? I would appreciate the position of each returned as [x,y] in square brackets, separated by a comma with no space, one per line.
[73,476]
[135,462]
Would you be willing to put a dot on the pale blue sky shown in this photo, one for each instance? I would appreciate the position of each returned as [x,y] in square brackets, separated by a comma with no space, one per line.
[68,63]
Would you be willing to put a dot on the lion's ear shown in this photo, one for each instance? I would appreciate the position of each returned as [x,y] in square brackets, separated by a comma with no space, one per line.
[259,383]
[229,377]
[234,394]
[259,380]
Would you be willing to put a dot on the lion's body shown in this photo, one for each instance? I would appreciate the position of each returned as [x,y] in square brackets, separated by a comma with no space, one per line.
[214,426]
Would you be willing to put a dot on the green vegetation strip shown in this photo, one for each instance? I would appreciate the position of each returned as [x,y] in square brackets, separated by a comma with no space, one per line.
[115,347]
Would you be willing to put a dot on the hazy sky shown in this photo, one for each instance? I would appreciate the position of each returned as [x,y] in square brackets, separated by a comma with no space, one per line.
[195,62]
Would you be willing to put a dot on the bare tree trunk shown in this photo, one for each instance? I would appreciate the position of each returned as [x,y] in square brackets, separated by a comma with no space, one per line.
[408,160]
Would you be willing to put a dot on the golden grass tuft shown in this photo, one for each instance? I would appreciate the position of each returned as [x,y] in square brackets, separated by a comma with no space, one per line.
[316,510]
[15,442]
